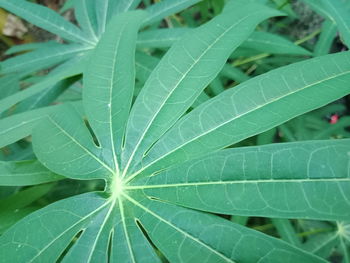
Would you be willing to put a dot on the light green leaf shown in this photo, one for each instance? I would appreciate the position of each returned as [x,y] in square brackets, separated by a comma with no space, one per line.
[18,126]
[207,238]
[274,44]
[259,41]
[253,107]
[67,5]
[234,73]
[337,11]
[144,65]
[182,74]
[18,205]
[286,230]
[47,96]
[41,58]
[322,244]
[25,173]
[165,8]
[109,82]
[86,17]
[326,38]
[122,6]
[45,18]
[298,180]
[96,223]
[70,68]
[30,46]
[161,37]
[106,9]
[69,149]
[9,84]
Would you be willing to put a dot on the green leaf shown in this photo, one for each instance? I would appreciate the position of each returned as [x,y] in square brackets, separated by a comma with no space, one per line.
[23,173]
[17,206]
[298,180]
[144,65]
[103,223]
[161,38]
[165,8]
[106,9]
[286,231]
[9,85]
[122,6]
[111,73]
[259,41]
[183,73]
[69,149]
[86,17]
[41,58]
[47,96]
[253,107]
[68,69]
[45,18]
[326,38]
[30,46]
[338,12]
[274,44]
[20,125]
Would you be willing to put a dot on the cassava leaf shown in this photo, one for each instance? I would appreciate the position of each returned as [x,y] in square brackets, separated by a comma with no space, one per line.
[25,173]
[182,74]
[103,223]
[163,176]
[18,126]
[252,107]
[46,19]
[68,69]
[165,8]
[260,41]
[41,58]
[86,16]
[69,149]
[310,180]
[111,72]
[106,9]
[338,12]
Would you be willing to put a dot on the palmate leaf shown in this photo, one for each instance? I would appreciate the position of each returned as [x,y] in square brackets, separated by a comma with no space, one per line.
[129,222]
[105,223]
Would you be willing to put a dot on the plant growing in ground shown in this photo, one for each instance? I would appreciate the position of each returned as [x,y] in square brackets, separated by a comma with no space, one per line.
[167,164]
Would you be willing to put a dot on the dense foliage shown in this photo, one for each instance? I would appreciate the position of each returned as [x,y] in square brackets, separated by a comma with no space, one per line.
[151,139]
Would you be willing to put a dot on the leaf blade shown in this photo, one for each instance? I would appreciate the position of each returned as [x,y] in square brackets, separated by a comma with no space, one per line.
[240,114]
[310,179]
[185,65]
[45,18]
[25,173]
[111,72]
